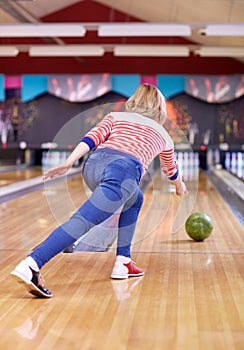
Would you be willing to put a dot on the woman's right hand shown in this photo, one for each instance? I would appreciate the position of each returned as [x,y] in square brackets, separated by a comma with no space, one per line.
[180,186]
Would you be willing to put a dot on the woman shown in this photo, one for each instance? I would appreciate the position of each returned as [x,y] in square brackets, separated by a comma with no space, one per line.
[125,143]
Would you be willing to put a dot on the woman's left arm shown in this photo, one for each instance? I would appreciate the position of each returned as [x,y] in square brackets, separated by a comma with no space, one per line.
[80,150]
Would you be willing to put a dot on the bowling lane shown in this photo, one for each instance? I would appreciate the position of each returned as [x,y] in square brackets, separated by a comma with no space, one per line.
[191,296]
[15,175]
[22,181]
[161,225]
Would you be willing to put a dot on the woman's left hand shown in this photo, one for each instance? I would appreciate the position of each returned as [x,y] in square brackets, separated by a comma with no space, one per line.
[57,171]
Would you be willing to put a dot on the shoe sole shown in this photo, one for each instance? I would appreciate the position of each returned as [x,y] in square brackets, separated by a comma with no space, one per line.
[31,288]
[120,277]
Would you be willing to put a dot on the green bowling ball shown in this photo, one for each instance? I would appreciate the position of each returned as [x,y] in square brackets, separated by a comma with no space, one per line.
[199,226]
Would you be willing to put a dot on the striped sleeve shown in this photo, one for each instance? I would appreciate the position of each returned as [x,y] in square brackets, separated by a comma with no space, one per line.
[99,133]
[168,164]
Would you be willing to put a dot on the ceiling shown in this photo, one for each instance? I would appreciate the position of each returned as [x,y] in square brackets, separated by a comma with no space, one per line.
[194,12]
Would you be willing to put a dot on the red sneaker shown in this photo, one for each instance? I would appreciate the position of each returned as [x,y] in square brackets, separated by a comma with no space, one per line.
[122,270]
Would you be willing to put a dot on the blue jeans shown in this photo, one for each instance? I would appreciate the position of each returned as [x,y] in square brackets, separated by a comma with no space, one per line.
[113,178]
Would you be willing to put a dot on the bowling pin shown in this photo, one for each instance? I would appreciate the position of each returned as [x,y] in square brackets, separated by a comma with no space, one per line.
[185,166]
[210,157]
[233,163]
[196,166]
[180,161]
[227,161]
[216,157]
[239,164]
[191,166]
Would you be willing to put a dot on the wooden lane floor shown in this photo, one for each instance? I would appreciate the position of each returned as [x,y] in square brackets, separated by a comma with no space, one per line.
[19,174]
[191,296]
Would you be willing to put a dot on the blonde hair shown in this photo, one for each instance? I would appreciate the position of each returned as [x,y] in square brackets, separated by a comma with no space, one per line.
[148,101]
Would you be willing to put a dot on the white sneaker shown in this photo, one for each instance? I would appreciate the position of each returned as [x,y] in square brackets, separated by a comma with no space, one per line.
[32,279]
[122,270]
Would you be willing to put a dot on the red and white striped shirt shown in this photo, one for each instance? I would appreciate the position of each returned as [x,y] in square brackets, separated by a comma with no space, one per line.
[136,135]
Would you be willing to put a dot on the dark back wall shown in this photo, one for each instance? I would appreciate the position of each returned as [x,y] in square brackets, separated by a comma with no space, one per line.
[203,123]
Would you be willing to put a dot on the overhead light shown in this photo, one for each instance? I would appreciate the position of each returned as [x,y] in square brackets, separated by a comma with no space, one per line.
[151,50]
[41,30]
[65,50]
[144,29]
[227,29]
[218,51]
[8,51]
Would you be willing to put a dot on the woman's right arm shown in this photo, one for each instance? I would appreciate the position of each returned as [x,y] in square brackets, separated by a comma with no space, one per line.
[170,167]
